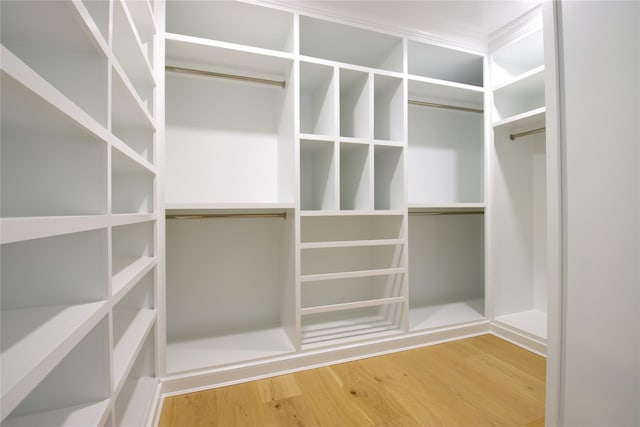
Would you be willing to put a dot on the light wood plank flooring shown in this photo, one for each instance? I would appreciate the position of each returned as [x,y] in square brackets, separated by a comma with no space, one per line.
[480,381]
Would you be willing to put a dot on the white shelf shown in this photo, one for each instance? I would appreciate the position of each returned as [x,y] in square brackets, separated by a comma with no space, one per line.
[356,191]
[68,174]
[128,276]
[329,212]
[29,228]
[53,39]
[195,208]
[442,315]
[350,45]
[44,91]
[351,274]
[533,322]
[388,108]
[389,181]
[446,207]
[521,120]
[88,414]
[523,94]
[232,22]
[34,340]
[351,243]
[444,64]
[317,100]
[226,348]
[356,104]
[134,57]
[319,330]
[351,305]
[130,328]
[131,186]
[139,394]
[454,94]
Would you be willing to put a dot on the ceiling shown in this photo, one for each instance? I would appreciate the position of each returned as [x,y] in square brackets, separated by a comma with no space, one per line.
[467,23]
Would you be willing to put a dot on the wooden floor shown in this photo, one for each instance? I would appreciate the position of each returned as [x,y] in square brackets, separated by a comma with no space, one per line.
[481,381]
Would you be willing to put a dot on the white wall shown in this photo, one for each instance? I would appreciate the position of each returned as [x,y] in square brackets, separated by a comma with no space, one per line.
[599,105]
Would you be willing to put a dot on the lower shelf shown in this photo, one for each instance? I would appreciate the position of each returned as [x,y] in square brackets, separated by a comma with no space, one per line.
[319,330]
[533,322]
[138,395]
[437,316]
[236,346]
[90,414]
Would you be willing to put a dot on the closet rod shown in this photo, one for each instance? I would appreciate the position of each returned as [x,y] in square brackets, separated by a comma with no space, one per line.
[445,213]
[282,215]
[448,107]
[513,136]
[280,83]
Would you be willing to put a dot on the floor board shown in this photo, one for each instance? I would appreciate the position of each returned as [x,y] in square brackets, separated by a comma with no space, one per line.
[480,381]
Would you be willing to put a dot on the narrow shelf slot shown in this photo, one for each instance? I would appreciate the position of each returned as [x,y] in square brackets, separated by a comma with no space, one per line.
[133,57]
[130,122]
[47,37]
[317,175]
[389,178]
[356,104]
[131,186]
[50,165]
[388,108]
[317,99]
[355,177]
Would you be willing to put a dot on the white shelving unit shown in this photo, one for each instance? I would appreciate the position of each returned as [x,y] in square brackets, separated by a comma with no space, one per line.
[324,187]
[518,202]
[78,167]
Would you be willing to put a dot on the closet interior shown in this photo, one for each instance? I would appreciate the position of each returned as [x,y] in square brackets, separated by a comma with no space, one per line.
[196,193]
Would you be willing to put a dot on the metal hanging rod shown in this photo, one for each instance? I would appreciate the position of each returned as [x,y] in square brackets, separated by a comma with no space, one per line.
[425,213]
[448,107]
[280,83]
[282,215]
[513,136]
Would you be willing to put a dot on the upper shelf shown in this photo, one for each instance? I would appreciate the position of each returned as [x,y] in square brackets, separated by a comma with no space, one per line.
[517,57]
[350,45]
[233,22]
[445,64]
[209,55]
